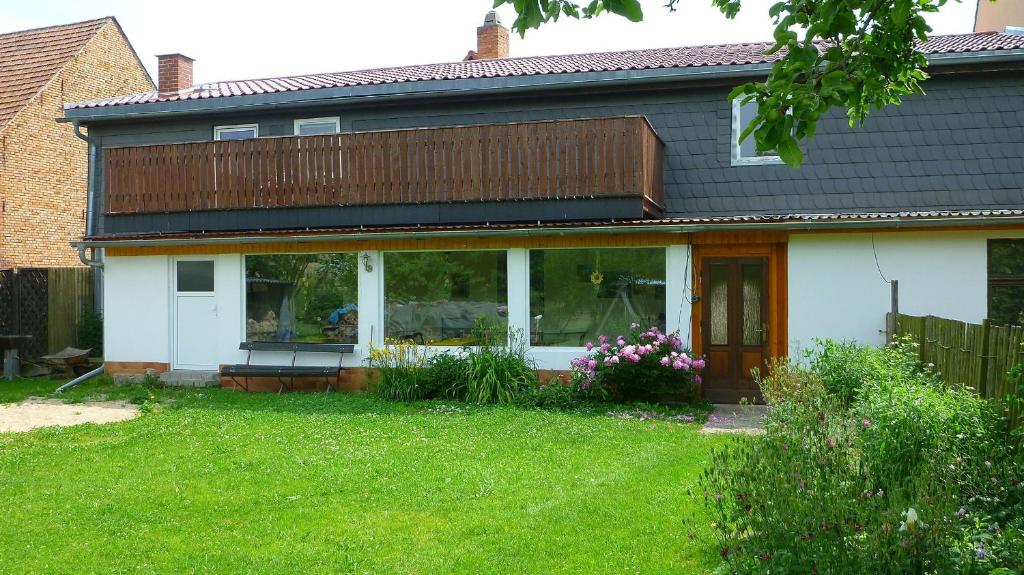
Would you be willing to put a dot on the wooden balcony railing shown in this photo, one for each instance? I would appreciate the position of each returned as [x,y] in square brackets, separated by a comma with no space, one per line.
[605,157]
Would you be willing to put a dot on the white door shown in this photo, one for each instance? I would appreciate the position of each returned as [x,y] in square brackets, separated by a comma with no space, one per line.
[195,315]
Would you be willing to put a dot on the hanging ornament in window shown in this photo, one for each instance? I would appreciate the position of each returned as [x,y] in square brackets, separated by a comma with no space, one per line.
[597,277]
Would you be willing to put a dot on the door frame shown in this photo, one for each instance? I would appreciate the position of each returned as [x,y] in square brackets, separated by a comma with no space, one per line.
[173,320]
[718,246]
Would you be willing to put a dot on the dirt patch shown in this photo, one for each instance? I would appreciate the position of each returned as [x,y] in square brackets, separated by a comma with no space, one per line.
[34,413]
[736,419]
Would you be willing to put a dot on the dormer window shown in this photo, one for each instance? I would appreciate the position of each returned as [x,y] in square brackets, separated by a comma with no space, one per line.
[744,153]
[237,132]
[317,126]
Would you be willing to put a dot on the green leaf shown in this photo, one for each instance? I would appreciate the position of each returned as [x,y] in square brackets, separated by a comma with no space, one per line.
[630,9]
[790,152]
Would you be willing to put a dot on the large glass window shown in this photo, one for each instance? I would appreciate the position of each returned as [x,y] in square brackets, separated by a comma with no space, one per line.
[301,297]
[438,298]
[1006,282]
[578,294]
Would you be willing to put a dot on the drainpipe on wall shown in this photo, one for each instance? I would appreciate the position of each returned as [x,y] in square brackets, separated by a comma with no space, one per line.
[96,261]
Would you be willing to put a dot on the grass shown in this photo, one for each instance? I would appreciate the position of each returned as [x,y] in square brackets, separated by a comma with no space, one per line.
[218,481]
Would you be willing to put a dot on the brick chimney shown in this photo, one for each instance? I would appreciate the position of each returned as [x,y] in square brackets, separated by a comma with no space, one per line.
[491,38]
[175,74]
[1002,16]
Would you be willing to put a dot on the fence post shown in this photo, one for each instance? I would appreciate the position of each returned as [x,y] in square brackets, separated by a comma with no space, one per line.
[983,390]
[892,329]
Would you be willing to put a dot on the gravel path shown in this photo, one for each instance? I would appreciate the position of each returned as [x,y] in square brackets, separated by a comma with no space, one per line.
[33,413]
[736,419]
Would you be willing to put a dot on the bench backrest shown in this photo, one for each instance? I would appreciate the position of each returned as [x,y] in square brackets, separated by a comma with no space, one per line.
[297,347]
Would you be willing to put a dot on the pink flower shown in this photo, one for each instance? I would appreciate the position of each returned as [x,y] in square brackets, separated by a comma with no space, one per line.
[677,364]
[634,358]
[665,361]
[613,359]
[592,364]
[699,363]
[602,338]
[697,379]
[865,423]
[590,346]
[619,340]
[605,347]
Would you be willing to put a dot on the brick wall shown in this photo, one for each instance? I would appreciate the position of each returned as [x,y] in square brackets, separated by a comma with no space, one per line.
[43,165]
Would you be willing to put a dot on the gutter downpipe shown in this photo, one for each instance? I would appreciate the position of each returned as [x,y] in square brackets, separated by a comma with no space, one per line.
[82,378]
[90,199]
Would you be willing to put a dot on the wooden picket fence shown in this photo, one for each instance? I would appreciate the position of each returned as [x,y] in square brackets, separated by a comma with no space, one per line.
[969,354]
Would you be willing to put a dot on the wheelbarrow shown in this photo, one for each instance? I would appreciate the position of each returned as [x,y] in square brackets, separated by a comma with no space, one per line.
[70,361]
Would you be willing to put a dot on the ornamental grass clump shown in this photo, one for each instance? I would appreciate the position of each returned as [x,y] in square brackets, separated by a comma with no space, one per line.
[892,471]
[642,365]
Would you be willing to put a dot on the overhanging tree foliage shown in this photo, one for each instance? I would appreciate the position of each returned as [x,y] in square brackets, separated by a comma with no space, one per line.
[857,55]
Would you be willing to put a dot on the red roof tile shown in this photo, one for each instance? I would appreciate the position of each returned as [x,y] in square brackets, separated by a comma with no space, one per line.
[684,57]
[30,58]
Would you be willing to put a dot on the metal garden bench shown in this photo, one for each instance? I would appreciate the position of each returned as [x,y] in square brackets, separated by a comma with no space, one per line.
[286,374]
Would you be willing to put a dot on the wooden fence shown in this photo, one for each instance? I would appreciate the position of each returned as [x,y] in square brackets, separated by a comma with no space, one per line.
[603,157]
[973,355]
[47,304]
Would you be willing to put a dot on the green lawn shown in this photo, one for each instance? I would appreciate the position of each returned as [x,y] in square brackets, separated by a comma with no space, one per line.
[226,482]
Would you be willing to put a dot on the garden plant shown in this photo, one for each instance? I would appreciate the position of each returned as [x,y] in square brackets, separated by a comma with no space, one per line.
[869,464]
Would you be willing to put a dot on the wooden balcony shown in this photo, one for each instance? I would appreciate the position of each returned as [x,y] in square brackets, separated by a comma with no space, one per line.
[555,160]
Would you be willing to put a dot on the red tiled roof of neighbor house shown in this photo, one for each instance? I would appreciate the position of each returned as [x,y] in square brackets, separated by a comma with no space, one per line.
[30,58]
[658,58]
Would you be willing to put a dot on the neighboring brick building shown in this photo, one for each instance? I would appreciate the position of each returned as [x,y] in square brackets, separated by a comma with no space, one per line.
[43,165]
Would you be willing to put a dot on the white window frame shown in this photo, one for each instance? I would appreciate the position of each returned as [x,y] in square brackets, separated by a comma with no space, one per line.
[218,129]
[336,120]
[738,159]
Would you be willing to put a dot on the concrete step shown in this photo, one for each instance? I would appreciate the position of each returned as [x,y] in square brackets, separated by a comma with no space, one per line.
[190,378]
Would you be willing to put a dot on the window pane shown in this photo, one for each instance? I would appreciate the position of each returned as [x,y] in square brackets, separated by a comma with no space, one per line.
[748,149]
[752,275]
[1006,304]
[236,134]
[195,276]
[1006,257]
[577,295]
[315,128]
[301,297]
[718,285]
[437,298]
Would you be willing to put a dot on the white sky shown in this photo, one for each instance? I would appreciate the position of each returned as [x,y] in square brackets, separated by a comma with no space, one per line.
[242,39]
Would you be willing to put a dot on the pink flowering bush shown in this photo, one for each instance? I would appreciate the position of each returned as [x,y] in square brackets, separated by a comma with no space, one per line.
[642,365]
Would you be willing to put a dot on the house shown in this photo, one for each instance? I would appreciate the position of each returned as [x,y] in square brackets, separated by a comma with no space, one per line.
[563,196]
[43,165]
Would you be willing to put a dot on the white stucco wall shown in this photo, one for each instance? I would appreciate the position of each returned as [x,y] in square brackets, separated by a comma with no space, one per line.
[836,291]
[136,309]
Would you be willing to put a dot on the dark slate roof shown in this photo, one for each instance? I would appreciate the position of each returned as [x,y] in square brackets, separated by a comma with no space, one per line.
[659,58]
[29,59]
[782,221]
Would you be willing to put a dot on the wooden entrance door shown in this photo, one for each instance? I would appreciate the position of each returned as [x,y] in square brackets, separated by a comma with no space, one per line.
[735,322]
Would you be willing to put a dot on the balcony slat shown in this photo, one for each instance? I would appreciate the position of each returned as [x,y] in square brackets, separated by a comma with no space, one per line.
[606,157]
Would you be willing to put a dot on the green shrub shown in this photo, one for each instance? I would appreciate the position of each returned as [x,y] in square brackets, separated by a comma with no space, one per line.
[640,366]
[554,395]
[89,333]
[842,367]
[446,375]
[883,470]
